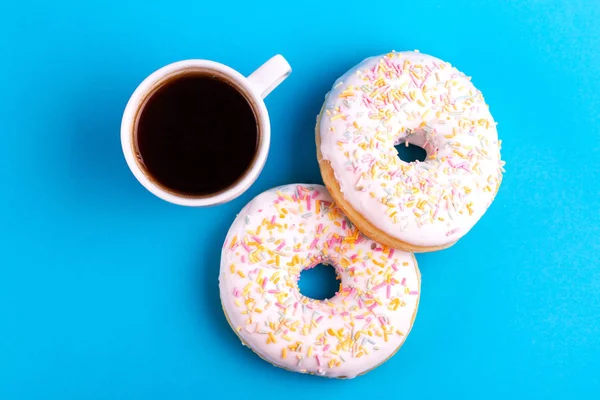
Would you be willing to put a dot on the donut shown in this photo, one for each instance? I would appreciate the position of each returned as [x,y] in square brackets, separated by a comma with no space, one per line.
[291,228]
[409,98]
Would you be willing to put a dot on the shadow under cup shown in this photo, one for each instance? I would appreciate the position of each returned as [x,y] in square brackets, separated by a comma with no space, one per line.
[196,133]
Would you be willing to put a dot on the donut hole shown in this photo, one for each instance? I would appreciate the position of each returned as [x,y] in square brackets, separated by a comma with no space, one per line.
[410,153]
[319,282]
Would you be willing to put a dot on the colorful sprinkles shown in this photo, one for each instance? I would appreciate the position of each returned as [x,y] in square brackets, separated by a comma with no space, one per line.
[409,97]
[277,236]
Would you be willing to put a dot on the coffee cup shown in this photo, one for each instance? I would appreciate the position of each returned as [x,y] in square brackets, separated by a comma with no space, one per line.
[197,132]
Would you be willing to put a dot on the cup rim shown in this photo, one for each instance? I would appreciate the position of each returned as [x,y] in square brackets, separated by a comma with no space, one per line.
[136,101]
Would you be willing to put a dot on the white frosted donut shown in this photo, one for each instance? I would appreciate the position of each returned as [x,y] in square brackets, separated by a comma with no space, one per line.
[409,97]
[291,228]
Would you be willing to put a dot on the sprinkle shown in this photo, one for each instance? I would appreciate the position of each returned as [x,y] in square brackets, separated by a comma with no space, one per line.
[452,232]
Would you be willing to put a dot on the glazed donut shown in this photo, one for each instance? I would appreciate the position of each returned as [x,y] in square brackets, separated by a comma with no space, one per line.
[291,228]
[409,97]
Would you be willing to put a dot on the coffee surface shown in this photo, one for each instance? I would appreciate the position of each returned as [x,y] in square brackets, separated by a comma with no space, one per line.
[196,135]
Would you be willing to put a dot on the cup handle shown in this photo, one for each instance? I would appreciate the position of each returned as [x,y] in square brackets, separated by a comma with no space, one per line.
[269,75]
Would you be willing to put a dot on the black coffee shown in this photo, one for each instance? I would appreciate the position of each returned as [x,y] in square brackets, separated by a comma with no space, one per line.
[197,135]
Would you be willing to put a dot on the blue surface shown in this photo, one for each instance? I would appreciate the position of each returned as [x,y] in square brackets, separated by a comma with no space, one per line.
[109,293]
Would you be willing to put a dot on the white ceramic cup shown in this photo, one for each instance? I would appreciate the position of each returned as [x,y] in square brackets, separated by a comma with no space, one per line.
[255,88]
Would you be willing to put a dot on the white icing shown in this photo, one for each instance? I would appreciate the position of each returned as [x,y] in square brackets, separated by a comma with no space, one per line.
[353,332]
[419,99]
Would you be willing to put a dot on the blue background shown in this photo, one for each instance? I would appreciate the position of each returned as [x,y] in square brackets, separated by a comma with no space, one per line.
[109,293]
